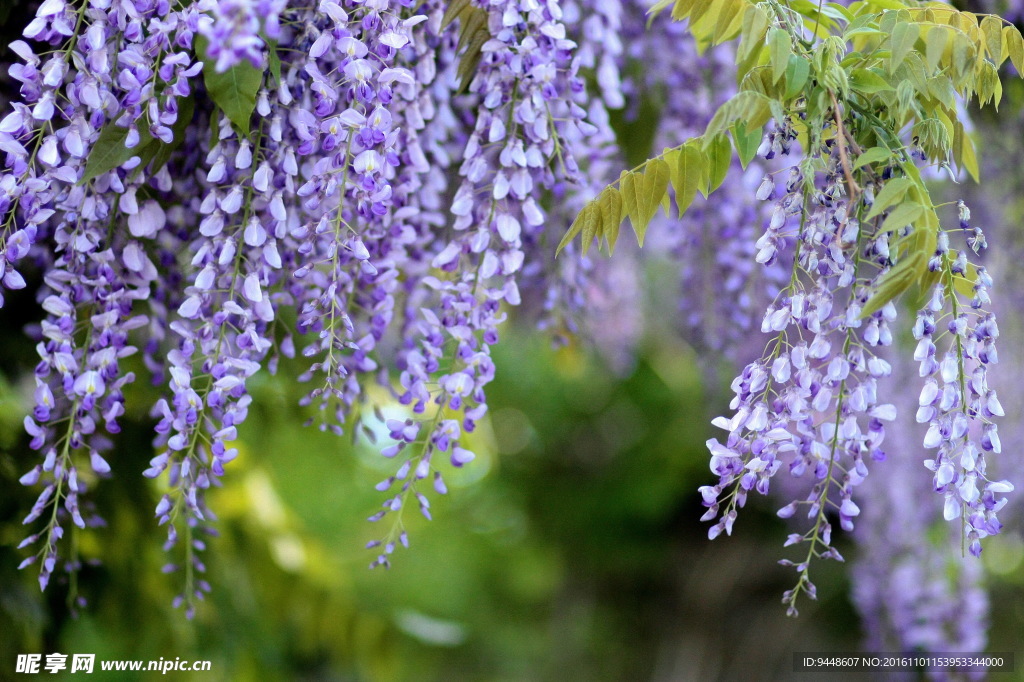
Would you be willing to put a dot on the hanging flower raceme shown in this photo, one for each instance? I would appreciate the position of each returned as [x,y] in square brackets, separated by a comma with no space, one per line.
[810,404]
[525,89]
[856,228]
[66,216]
[911,592]
[192,170]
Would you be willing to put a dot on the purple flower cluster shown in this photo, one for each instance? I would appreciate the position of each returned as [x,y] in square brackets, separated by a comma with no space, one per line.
[912,589]
[956,401]
[233,29]
[810,403]
[525,91]
[586,296]
[155,199]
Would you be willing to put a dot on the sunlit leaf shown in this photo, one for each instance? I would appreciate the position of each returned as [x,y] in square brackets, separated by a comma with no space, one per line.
[904,35]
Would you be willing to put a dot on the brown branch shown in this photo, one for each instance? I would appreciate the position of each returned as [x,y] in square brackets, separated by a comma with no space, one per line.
[852,186]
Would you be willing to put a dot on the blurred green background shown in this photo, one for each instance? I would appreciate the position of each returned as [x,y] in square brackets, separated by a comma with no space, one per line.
[570,549]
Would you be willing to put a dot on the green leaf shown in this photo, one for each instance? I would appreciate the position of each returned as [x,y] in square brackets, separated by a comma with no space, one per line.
[470,60]
[869,82]
[755,26]
[729,21]
[797,72]
[747,142]
[942,90]
[720,156]
[751,107]
[923,239]
[452,11]
[904,214]
[472,20]
[904,35]
[473,34]
[873,155]
[707,10]
[273,58]
[682,8]
[963,54]
[780,46]
[574,229]
[610,205]
[628,193]
[109,151]
[591,218]
[963,286]
[992,30]
[642,193]
[1014,47]
[935,46]
[234,91]
[893,191]
[687,166]
[968,157]
[893,283]
[887,4]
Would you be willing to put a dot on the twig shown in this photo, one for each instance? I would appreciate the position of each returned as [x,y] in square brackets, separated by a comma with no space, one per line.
[852,186]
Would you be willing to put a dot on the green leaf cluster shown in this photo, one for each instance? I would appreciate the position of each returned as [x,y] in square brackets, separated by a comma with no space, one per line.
[878,78]
[700,165]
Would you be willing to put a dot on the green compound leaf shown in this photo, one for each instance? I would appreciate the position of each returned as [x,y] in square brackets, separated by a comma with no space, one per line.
[234,91]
